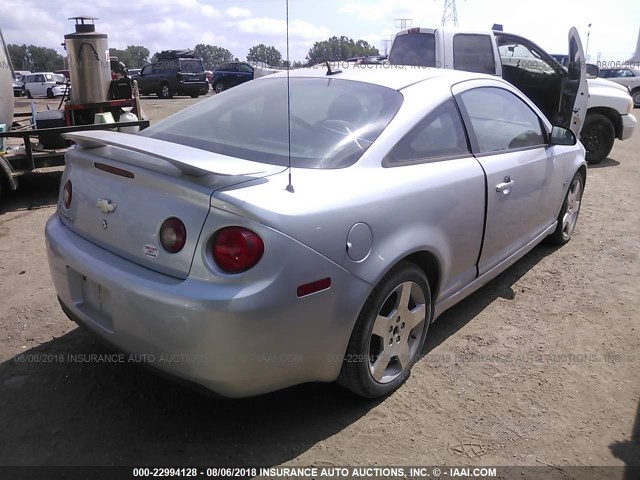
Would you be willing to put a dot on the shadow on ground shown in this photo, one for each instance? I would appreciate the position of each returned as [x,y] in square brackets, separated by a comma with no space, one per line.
[629,450]
[34,191]
[500,287]
[607,162]
[63,412]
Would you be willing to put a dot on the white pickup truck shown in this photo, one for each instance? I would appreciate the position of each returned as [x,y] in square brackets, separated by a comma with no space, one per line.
[596,110]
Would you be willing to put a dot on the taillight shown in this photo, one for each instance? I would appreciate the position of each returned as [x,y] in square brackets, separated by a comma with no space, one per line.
[67,194]
[173,235]
[236,249]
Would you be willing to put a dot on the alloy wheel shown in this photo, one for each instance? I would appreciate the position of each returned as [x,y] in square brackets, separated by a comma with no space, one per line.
[570,217]
[397,331]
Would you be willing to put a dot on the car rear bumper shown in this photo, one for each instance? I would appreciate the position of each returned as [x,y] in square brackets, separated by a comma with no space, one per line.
[193,87]
[628,126]
[239,341]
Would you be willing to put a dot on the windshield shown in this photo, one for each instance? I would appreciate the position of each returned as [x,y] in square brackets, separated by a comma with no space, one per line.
[333,121]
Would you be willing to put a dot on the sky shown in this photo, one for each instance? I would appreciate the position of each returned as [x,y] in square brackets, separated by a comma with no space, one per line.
[239,24]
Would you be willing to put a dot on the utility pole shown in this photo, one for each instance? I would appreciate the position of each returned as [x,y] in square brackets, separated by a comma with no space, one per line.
[449,13]
[402,23]
[586,52]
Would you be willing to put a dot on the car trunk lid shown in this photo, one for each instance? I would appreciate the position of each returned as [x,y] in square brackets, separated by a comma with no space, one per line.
[125,186]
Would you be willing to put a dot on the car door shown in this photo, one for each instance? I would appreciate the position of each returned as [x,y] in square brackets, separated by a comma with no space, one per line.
[524,180]
[245,73]
[575,91]
[36,86]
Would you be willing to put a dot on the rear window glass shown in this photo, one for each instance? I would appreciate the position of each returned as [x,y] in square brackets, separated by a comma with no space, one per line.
[473,53]
[418,49]
[192,66]
[333,121]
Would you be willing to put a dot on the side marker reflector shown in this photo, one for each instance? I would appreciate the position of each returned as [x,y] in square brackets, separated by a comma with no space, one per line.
[313,287]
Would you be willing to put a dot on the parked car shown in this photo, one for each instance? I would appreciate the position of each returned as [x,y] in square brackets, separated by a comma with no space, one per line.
[175,73]
[629,77]
[407,191]
[598,120]
[44,84]
[230,75]
[18,86]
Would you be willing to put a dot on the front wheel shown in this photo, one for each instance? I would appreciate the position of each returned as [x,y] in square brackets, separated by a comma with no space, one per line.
[568,216]
[218,87]
[597,136]
[636,97]
[28,93]
[195,95]
[50,93]
[389,333]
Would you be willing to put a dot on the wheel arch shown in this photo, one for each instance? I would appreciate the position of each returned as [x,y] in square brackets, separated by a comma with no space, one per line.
[612,115]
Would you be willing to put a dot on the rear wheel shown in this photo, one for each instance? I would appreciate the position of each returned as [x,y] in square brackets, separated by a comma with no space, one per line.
[568,216]
[389,333]
[597,136]
[165,91]
[195,95]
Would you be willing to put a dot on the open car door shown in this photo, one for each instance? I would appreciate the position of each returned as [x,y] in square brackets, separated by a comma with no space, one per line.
[575,90]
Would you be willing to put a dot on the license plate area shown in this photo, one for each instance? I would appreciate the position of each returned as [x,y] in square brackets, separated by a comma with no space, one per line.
[91,298]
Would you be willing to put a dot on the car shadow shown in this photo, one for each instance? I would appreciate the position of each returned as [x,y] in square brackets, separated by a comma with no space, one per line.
[500,287]
[64,407]
[36,190]
[607,162]
[629,450]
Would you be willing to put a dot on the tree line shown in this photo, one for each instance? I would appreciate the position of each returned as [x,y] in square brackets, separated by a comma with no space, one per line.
[34,58]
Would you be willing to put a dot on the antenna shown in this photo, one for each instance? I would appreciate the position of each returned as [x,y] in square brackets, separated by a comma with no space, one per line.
[290,185]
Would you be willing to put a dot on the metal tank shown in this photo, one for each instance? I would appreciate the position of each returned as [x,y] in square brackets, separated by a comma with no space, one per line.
[6,88]
[89,66]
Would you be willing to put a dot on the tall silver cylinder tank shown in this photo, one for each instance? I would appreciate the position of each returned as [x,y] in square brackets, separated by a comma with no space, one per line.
[89,66]
[6,88]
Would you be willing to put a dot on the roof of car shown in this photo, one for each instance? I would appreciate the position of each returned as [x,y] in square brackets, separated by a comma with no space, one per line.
[396,77]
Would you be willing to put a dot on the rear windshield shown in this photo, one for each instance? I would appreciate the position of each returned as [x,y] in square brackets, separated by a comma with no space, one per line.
[333,121]
[191,66]
[418,49]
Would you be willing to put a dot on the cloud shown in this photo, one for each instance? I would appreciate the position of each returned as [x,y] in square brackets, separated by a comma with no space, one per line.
[273,27]
[237,12]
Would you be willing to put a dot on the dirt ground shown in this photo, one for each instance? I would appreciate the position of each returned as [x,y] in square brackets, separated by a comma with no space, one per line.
[540,367]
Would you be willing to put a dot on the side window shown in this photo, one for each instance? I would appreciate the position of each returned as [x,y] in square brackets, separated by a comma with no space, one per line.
[49,77]
[245,68]
[146,70]
[473,53]
[500,120]
[439,134]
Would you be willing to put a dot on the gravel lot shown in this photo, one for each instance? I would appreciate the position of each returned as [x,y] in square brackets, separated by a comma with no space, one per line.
[565,322]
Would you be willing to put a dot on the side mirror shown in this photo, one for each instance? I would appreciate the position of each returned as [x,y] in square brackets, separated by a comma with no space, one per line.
[592,70]
[562,136]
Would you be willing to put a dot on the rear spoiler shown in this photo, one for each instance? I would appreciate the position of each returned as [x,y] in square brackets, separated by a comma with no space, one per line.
[190,161]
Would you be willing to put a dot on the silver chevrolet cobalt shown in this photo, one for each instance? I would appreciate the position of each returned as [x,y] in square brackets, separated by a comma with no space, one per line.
[310,228]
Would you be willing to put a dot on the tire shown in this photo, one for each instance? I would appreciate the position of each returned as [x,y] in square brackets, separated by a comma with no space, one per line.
[49,93]
[568,216]
[597,136]
[218,87]
[28,93]
[195,95]
[165,91]
[636,97]
[383,346]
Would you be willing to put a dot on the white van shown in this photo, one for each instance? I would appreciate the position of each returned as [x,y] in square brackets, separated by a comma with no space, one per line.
[44,84]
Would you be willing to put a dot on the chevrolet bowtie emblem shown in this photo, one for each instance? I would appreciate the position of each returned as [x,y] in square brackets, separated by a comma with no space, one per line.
[106,206]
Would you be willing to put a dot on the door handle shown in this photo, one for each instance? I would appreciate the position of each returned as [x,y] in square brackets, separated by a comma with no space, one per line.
[505,188]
